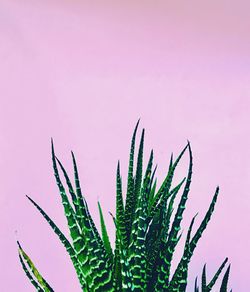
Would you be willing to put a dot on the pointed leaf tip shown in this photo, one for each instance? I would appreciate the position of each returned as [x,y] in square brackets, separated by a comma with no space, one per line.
[52,148]
[137,124]
[29,198]
[19,245]
[113,217]
[111,214]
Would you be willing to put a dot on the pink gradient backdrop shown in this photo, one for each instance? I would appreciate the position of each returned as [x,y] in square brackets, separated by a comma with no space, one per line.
[83,72]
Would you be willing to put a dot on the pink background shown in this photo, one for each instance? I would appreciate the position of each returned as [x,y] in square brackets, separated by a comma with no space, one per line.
[83,72]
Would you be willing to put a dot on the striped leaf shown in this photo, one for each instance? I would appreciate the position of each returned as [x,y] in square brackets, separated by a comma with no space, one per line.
[39,282]
[64,241]
[120,223]
[129,205]
[96,257]
[181,270]
[28,274]
[146,234]
[105,236]
[178,218]
[164,189]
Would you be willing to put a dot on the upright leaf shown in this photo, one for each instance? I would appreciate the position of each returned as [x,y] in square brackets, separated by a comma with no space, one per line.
[178,217]
[130,186]
[224,283]
[181,270]
[105,236]
[203,280]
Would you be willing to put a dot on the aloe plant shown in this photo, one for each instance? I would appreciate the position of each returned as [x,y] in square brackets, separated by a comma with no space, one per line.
[147,231]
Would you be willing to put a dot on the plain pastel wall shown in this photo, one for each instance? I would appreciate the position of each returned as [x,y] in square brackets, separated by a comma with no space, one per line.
[83,72]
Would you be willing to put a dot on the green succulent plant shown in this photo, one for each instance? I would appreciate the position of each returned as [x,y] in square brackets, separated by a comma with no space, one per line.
[147,232]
